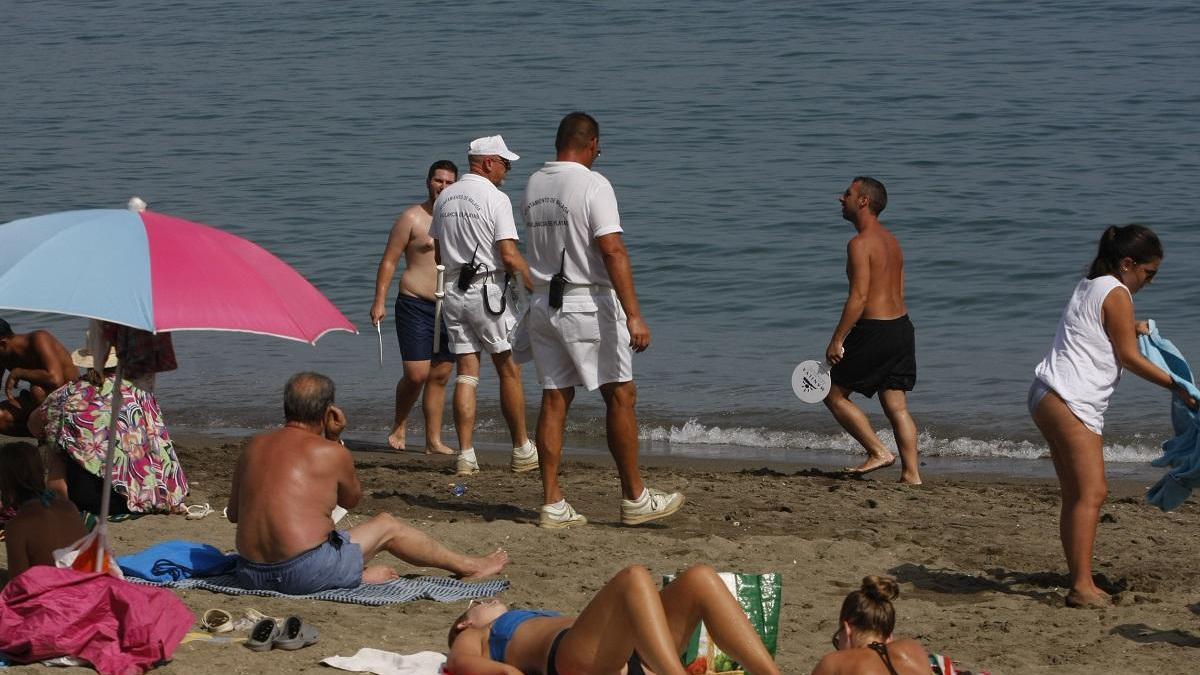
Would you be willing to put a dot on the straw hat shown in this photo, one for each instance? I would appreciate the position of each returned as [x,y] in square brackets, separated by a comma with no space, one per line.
[82,358]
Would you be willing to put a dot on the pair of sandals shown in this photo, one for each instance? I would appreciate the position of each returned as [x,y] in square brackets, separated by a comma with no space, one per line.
[291,634]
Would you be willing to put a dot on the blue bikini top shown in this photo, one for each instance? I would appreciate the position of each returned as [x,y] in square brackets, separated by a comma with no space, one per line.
[504,627]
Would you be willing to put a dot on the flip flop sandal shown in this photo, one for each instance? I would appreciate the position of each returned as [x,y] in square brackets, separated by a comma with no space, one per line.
[217,621]
[198,511]
[263,635]
[295,634]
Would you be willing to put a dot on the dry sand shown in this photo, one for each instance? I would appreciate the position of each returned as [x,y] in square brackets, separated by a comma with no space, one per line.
[979,561]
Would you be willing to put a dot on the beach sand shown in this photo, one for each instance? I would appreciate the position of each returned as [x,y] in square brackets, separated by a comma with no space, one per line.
[978,559]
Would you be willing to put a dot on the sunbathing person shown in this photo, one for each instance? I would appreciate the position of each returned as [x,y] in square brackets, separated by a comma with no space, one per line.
[286,485]
[629,622]
[37,358]
[864,636]
[43,521]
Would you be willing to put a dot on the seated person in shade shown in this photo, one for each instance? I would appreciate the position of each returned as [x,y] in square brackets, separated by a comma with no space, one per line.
[286,485]
[73,423]
[864,641]
[628,623]
[43,521]
[40,360]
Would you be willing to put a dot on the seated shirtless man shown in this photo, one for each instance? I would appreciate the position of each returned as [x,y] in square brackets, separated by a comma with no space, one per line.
[286,485]
[37,358]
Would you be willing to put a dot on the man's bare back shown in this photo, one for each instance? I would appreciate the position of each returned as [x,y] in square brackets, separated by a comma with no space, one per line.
[286,485]
[885,265]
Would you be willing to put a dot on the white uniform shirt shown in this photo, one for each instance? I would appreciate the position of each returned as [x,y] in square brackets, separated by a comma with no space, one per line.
[1082,366]
[567,206]
[469,217]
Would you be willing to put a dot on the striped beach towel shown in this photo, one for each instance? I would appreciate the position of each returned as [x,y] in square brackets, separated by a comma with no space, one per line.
[441,589]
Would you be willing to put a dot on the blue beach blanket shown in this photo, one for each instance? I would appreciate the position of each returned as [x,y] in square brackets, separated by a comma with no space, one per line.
[175,561]
[441,589]
[1181,453]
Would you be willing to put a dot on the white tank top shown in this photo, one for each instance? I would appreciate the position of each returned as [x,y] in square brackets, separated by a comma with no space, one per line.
[1081,365]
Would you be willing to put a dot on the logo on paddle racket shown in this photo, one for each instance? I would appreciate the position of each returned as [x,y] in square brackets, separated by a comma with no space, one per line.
[810,381]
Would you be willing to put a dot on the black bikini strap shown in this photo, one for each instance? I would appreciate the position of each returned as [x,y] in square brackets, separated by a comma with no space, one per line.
[881,649]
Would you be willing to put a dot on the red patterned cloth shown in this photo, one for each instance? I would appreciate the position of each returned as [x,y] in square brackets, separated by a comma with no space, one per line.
[141,352]
[116,626]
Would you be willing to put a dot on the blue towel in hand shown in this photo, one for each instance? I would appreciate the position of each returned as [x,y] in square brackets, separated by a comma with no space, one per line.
[1181,453]
[176,560]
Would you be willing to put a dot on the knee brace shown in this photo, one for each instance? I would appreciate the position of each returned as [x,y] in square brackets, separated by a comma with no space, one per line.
[469,380]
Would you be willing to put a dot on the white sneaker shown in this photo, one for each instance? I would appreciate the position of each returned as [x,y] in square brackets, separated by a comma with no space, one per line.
[524,458]
[557,518]
[466,465]
[652,505]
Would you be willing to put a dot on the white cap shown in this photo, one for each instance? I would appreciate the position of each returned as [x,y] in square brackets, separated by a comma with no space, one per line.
[136,204]
[492,145]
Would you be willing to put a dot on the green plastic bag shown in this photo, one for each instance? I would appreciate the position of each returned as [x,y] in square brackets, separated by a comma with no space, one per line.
[761,596]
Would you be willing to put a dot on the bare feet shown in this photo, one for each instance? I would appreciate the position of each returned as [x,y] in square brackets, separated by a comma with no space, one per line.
[909,480]
[439,448]
[378,574]
[396,439]
[872,464]
[1094,600]
[488,565]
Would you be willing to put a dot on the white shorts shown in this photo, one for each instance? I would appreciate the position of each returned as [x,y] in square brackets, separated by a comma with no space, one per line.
[473,329]
[585,342]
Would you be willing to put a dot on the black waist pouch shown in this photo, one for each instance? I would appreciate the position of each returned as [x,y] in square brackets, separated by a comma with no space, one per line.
[558,284]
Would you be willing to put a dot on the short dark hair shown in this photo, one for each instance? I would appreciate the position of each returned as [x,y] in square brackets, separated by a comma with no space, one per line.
[5,329]
[1136,242]
[575,131]
[21,475]
[306,397]
[441,165]
[874,191]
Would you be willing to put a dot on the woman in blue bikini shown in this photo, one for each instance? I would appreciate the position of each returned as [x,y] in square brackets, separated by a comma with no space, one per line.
[629,622]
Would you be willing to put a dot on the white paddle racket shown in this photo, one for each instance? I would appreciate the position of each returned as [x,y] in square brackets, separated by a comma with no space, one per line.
[810,381]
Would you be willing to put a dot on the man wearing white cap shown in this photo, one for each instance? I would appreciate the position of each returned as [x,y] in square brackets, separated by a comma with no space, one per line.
[475,236]
[584,318]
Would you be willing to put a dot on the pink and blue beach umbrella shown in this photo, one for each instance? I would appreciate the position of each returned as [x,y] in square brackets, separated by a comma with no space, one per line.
[158,273]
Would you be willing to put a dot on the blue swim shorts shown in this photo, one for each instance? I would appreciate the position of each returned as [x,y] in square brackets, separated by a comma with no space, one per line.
[414,330]
[337,563]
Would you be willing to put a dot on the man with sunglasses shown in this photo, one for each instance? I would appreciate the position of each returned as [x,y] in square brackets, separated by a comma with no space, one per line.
[475,237]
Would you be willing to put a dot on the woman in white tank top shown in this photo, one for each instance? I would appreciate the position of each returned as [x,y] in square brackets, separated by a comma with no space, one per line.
[1096,338]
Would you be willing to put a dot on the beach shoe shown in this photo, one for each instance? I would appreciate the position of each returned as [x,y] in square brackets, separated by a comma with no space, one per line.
[524,458]
[652,505]
[198,511]
[465,467]
[263,635]
[295,634]
[217,621]
[553,518]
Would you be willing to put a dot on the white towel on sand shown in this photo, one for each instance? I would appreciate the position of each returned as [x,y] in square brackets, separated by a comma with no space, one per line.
[377,661]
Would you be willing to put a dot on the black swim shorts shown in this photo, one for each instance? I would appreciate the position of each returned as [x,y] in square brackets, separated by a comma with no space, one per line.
[880,354]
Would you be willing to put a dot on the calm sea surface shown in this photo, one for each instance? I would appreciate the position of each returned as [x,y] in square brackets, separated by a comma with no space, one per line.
[1008,134]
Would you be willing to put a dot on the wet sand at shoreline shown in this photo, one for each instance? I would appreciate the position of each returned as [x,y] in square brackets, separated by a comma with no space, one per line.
[977,557]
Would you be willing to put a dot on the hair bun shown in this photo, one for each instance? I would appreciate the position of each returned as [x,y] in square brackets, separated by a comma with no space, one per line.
[880,589]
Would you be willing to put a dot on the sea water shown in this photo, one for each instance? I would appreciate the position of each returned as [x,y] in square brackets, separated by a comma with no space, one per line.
[1009,134]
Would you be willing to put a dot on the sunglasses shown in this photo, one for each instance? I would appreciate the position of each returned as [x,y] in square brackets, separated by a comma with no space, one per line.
[507,164]
[836,633]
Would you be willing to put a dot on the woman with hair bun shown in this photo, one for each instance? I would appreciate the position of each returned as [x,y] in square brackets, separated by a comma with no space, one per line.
[1096,338]
[863,639]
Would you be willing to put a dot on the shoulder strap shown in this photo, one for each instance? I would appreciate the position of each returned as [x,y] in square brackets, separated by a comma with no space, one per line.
[881,649]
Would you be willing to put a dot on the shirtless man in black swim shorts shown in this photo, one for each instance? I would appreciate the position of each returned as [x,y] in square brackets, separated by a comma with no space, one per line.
[873,348]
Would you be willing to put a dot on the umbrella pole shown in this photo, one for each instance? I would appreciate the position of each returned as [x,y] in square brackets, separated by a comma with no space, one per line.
[106,492]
